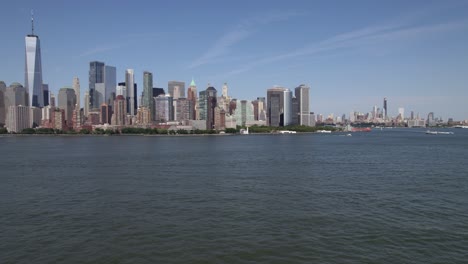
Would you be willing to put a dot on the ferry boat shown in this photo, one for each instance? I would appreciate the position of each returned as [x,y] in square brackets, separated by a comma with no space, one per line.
[460,126]
[323,131]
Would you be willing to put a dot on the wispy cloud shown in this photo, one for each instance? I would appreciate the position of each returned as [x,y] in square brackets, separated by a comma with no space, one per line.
[371,35]
[100,49]
[241,31]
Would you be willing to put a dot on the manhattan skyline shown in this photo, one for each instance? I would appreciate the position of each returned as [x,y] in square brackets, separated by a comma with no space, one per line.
[351,54]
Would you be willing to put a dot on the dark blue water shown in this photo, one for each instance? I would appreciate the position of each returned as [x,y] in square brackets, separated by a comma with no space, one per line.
[392,196]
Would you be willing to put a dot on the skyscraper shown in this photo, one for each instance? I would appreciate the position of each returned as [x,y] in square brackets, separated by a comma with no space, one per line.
[211,103]
[385,114]
[76,88]
[147,99]
[192,96]
[225,90]
[279,106]
[33,69]
[131,95]
[302,95]
[2,103]
[45,91]
[96,75]
[172,84]
[110,83]
[67,101]
[120,111]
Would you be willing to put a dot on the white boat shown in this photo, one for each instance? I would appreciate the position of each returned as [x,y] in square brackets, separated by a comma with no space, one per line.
[286,132]
[460,127]
[439,132]
[323,131]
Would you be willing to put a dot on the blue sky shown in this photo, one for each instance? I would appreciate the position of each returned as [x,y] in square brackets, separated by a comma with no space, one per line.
[351,53]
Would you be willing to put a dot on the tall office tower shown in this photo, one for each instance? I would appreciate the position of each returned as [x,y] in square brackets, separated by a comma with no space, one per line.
[52,100]
[131,95]
[147,99]
[401,112]
[96,75]
[302,95]
[312,119]
[45,91]
[430,119]
[67,102]
[211,103]
[76,88]
[15,95]
[225,90]
[33,69]
[121,90]
[183,109]
[279,106]
[172,84]
[120,111]
[412,115]
[105,114]
[295,111]
[35,116]
[86,109]
[261,108]
[176,92]
[192,96]
[164,108]
[244,113]
[2,103]
[255,109]
[374,112]
[110,83]
[385,114]
[202,110]
[17,118]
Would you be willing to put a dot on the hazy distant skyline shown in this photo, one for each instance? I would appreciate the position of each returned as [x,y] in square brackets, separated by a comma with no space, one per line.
[351,53]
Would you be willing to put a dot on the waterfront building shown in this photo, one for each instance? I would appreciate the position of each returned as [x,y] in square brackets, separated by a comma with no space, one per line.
[211,103]
[302,97]
[179,86]
[147,100]
[143,116]
[105,116]
[35,116]
[33,69]
[183,109]
[164,108]
[2,103]
[67,102]
[120,111]
[59,121]
[244,113]
[14,95]
[279,106]
[219,119]
[202,110]
[17,118]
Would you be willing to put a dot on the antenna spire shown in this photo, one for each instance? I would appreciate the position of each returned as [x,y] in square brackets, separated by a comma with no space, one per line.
[32,22]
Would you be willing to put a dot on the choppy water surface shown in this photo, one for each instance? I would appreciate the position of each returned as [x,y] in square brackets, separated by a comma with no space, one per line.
[392,196]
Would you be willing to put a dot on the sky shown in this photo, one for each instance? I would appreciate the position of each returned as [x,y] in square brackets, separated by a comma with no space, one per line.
[351,53]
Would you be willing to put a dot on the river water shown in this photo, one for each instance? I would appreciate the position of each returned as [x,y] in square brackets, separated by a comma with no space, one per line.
[391,196]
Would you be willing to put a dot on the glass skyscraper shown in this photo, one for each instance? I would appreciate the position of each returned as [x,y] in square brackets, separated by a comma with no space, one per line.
[33,71]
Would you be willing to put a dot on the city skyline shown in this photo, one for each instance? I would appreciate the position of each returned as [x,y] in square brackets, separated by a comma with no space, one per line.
[354,69]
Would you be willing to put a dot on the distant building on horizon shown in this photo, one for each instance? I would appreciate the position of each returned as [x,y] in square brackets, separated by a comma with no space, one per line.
[67,102]
[176,85]
[302,96]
